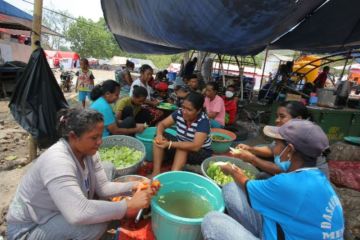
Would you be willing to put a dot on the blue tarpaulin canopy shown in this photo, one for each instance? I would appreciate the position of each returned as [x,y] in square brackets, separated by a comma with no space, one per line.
[14,18]
[333,27]
[10,10]
[235,27]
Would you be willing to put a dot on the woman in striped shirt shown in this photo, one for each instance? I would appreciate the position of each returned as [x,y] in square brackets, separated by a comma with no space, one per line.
[192,143]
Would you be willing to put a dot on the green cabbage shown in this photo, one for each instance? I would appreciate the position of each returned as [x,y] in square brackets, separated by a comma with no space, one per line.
[215,173]
[120,156]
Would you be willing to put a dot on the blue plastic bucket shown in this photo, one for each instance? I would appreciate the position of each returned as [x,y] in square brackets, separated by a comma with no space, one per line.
[147,137]
[169,226]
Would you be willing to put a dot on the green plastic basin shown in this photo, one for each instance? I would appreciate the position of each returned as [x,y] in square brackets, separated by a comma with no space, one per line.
[147,137]
[220,146]
[169,226]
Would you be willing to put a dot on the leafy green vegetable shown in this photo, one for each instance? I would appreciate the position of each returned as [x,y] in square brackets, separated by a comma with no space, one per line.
[121,156]
[215,173]
[217,138]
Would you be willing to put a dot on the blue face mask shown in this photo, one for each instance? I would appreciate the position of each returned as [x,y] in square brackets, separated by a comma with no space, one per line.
[283,165]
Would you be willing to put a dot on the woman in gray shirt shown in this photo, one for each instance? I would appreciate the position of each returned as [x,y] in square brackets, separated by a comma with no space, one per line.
[55,199]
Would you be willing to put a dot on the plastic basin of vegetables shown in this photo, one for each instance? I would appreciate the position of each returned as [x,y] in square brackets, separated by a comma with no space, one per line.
[250,169]
[147,138]
[127,153]
[166,225]
[221,140]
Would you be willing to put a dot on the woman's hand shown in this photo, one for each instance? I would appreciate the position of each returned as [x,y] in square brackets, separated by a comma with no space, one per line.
[138,185]
[159,139]
[244,147]
[230,169]
[153,102]
[155,186]
[244,155]
[141,199]
[162,144]
[156,102]
[140,127]
[236,173]
[227,169]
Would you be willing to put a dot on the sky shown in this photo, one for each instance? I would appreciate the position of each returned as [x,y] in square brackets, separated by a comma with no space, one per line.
[85,8]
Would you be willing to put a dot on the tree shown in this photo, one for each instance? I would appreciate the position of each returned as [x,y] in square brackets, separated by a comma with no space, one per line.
[92,39]
[58,22]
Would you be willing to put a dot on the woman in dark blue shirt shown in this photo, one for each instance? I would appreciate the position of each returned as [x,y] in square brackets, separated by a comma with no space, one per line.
[193,142]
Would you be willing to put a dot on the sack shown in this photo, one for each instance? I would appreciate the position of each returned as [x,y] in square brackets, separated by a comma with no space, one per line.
[344,151]
[36,100]
[345,174]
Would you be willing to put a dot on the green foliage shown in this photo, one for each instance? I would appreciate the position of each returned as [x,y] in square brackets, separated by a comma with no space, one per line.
[163,61]
[93,39]
[58,22]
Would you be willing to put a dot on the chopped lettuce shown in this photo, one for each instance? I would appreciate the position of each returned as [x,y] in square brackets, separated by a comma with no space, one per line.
[121,156]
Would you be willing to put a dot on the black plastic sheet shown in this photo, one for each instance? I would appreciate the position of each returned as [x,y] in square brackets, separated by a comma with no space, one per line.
[36,100]
[333,27]
[235,27]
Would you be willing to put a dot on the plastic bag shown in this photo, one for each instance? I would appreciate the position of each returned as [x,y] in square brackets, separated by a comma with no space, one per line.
[36,100]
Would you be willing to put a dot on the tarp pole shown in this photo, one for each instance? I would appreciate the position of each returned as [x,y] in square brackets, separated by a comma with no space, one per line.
[263,70]
[348,71]
[346,62]
[241,73]
[35,36]
[186,57]
[222,70]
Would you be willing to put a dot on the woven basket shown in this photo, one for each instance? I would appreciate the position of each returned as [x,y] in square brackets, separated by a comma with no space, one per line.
[122,140]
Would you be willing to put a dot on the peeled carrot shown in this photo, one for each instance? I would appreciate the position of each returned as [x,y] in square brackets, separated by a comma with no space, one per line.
[116,199]
[143,186]
[154,184]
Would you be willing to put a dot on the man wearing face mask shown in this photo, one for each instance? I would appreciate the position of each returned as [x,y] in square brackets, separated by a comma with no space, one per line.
[230,105]
[297,204]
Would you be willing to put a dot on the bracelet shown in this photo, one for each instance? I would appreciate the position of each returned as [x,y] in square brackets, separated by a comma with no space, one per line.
[170,145]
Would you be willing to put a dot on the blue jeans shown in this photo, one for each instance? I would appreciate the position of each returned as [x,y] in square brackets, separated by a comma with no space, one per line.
[215,124]
[243,222]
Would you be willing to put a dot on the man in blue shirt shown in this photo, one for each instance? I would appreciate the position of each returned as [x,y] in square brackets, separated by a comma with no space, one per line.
[297,204]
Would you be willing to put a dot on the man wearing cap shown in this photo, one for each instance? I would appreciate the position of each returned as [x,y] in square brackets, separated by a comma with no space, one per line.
[297,204]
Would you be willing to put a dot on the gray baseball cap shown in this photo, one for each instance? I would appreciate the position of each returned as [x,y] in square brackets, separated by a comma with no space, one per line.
[308,138]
